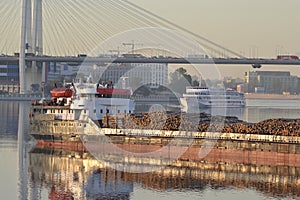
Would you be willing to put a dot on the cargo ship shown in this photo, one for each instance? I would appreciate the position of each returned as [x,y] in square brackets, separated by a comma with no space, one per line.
[85,112]
[62,118]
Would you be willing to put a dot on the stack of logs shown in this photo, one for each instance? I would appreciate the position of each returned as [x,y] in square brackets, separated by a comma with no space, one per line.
[201,122]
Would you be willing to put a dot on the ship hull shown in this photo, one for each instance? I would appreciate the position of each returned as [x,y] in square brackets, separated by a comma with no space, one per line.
[56,137]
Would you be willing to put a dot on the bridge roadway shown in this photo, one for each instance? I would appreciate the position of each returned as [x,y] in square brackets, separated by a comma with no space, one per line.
[167,60]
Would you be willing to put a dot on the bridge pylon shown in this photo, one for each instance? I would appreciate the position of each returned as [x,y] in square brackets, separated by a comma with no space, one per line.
[31,42]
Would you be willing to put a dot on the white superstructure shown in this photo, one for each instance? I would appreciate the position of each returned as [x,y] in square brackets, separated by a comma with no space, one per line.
[85,99]
[199,97]
[96,100]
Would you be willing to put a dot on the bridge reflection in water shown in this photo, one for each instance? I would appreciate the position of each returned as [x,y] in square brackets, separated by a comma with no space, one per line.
[64,172]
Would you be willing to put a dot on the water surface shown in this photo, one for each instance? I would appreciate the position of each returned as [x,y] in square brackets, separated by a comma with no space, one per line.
[33,173]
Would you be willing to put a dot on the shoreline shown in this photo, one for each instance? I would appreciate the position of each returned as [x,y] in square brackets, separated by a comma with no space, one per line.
[271,96]
[20,97]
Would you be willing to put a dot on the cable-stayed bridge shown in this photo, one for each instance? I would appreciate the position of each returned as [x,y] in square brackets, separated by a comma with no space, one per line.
[72,27]
[59,30]
[255,62]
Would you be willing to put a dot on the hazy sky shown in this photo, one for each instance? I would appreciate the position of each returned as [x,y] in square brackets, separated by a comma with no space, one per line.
[253,28]
[240,25]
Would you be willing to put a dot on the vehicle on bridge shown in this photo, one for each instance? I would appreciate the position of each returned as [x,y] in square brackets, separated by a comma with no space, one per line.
[256,65]
[81,55]
[287,57]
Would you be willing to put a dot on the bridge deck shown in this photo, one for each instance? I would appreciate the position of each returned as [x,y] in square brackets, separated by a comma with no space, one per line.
[225,61]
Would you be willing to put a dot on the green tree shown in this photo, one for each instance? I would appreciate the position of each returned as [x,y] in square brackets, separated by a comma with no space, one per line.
[180,79]
[195,83]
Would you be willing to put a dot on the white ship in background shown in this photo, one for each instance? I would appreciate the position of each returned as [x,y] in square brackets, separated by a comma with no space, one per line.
[203,97]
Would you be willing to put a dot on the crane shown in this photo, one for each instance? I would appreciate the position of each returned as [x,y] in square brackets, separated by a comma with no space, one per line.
[115,51]
[132,44]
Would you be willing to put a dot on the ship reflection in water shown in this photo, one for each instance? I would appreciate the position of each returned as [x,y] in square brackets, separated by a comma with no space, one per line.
[64,173]
[73,174]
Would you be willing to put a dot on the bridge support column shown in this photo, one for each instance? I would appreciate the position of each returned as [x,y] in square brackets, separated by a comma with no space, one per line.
[33,76]
[28,44]
[37,42]
[37,28]
[34,72]
[43,72]
[22,64]
[30,18]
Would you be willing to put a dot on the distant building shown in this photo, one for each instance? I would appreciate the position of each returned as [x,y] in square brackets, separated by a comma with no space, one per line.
[240,88]
[152,74]
[9,78]
[260,90]
[271,82]
[298,87]
[57,70]
[233,83]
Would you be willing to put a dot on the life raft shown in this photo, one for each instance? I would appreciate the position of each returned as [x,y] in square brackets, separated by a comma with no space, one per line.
[61,92]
